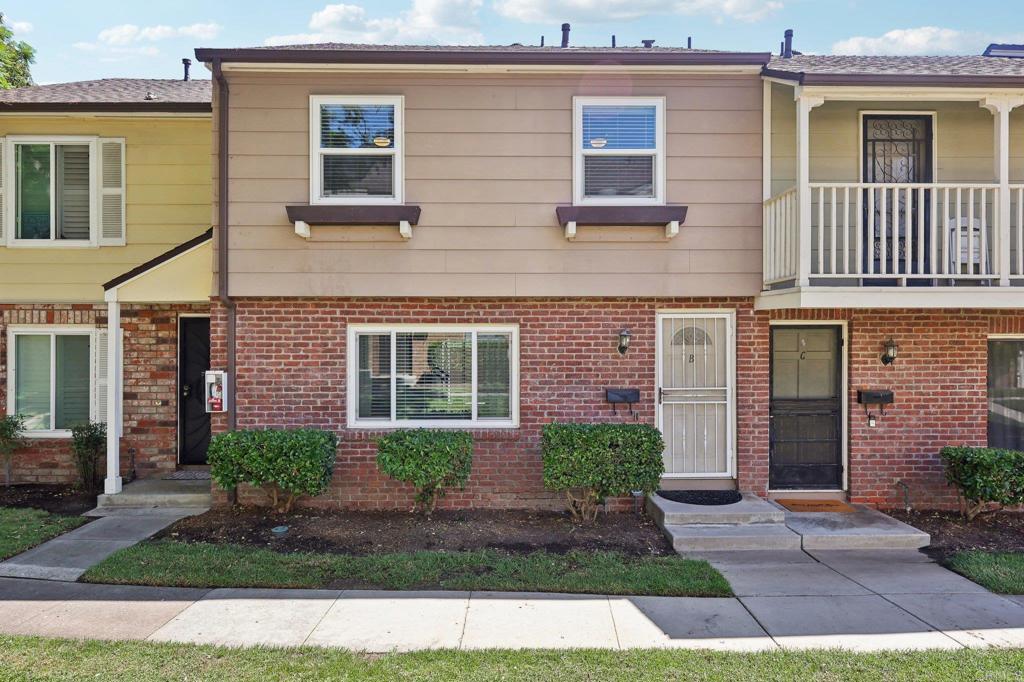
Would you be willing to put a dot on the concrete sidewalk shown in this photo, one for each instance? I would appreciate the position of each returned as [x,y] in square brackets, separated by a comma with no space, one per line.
[852,600]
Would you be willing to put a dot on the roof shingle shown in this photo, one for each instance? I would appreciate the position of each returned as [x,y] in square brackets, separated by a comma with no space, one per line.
[120,94]
[865,70]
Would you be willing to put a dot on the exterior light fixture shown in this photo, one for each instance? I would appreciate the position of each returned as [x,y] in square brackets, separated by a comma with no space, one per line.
[624,337]
[889,351]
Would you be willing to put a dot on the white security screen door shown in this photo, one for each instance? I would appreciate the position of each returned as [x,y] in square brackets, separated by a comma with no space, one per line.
[696,393]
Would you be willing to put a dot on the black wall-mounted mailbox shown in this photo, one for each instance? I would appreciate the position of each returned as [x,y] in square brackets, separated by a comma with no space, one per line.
[874,397]
[622,395]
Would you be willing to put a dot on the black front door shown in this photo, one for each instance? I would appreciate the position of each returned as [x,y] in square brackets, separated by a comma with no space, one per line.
[193,361]
[805,438]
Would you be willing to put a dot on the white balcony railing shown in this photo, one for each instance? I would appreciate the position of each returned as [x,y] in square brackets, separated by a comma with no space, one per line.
[937,234]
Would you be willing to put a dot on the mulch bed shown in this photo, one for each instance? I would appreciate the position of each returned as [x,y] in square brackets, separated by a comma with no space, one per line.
[56,499]
[710,498]
[381,532]
[951,533]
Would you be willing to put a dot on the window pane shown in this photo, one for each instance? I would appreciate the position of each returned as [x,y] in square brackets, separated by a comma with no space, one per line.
[32,194]
[434,375]
[72,385]
[357,126]
[32,380]
[612,176]
[374,380]
[493,376]
[72,191]
[348,176]
[620,127]
[1006,394]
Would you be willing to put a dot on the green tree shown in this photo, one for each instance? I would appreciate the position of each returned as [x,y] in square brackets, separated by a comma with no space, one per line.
[15,58]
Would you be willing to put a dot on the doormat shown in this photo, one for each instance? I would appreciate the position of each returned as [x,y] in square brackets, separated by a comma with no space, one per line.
[798,505]
[186,475]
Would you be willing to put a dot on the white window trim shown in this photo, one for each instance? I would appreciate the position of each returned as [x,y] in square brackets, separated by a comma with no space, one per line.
[578,152]
[352,374]
[398,151]
[53,331]
[10,200]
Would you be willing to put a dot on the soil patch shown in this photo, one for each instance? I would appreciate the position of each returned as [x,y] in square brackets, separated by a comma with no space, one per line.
[711,498]
[951,533]
[382,532]
[56,499]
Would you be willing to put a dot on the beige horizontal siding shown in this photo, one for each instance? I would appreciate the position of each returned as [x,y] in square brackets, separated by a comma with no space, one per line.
[488,159]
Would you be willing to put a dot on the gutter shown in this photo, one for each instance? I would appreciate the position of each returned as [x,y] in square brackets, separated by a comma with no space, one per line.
[222,237]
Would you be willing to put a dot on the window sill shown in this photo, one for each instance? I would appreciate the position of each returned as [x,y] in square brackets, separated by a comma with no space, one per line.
[50,244]
[671,216]
[51,434]
[404,216]
[488,433]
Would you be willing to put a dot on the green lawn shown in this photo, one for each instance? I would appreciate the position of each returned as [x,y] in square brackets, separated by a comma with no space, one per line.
[164,562]
[30,658]
[22,529]
[1001,572]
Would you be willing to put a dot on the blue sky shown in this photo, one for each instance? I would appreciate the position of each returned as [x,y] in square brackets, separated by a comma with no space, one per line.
[103,38]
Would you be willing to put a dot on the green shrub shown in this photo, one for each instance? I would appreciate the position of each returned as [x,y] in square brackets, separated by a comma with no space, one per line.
[591,462]
[12,439]
[985,476]
[89,443]
[431,460]
[287,463]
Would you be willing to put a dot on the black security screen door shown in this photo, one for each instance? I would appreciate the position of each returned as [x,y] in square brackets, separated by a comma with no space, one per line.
[1006,393]
[805,438]
[897,151]
[193,361]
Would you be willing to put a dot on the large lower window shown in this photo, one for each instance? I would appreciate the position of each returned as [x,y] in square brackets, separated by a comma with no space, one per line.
[50,378]
[433,376]
[356,149]
[1006,393]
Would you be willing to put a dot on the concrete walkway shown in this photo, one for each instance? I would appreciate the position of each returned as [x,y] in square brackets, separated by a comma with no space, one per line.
[68,556]
[849,599]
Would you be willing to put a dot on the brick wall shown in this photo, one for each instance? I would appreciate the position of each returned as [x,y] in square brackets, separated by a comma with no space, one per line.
[150,387]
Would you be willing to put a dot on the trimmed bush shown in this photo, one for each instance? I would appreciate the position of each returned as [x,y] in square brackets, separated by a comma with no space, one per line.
[985,476]
[89,443]
[592,462]
[287,463]
[12,439]
[431,460]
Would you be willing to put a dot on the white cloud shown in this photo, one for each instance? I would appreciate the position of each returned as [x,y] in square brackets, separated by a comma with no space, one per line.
[455,22]
[126,34]
[596,11]
[21,26]
[924,40]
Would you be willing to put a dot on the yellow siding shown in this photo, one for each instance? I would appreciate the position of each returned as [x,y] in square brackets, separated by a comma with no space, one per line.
[167,202]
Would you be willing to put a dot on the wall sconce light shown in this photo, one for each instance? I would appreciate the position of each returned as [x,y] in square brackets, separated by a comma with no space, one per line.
[624,336]
[889,351]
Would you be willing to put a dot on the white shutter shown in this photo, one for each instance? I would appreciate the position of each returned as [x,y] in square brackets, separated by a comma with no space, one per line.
[99,376]
[111,199]
[3,213]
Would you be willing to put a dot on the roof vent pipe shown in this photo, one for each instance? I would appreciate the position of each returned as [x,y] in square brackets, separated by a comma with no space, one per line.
[648,43]
[613,40]
[542,41]
[187,63]
[565,35]
[787,45]
[689,42]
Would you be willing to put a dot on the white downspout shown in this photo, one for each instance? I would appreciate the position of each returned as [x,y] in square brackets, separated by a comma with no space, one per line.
[112,484]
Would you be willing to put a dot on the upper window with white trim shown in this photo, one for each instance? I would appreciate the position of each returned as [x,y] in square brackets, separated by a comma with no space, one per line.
[619,150]
[355,149]
[62,191]
[429,375]
[56,377]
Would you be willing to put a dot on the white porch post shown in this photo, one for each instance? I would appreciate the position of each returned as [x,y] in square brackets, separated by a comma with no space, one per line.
[804,104]
[112,484]
[1001,108]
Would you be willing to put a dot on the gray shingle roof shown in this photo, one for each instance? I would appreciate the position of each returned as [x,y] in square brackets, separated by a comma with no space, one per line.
[839,69]
[126,94]
[514,48]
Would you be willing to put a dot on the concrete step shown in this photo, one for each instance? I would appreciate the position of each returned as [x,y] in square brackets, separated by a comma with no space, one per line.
[864,528]
[751,509]
[153,494]
[731,537]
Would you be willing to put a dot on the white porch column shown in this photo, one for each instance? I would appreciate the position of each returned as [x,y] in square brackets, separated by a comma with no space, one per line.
[1001,108]
[112,484]
[804,104]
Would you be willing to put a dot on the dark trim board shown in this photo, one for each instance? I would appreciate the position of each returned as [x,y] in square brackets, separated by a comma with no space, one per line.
[359,214]
[159,260]
[620,215]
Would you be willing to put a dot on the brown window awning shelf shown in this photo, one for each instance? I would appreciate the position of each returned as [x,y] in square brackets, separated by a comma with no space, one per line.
[404,216]
[671,217]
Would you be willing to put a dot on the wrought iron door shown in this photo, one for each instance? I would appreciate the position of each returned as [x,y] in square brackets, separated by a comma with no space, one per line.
[897,151]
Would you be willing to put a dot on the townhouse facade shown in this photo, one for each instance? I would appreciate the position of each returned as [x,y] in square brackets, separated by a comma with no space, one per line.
[805,271]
